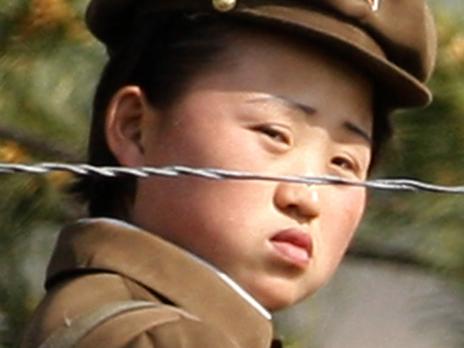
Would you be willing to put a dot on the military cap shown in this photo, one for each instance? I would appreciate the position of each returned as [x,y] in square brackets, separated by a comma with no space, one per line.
[395,40]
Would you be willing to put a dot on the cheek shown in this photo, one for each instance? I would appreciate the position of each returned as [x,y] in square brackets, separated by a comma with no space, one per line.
[198,214]
[353,203]
[342,217]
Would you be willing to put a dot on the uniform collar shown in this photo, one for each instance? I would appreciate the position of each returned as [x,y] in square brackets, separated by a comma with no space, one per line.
[115,246]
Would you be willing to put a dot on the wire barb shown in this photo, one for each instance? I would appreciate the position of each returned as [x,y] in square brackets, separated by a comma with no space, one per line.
[399,184]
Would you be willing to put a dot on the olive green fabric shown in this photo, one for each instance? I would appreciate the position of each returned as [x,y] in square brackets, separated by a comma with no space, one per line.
[394,40]
[98,262]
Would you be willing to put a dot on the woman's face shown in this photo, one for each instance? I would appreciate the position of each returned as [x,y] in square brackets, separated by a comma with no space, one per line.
[276,108]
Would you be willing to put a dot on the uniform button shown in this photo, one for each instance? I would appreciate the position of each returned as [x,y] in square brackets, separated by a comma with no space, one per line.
[224,5]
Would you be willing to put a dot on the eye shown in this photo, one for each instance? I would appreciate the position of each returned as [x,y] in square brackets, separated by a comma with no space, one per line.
[345,164]
[275,133]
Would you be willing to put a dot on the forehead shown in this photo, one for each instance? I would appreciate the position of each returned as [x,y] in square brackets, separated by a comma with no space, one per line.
[277,64]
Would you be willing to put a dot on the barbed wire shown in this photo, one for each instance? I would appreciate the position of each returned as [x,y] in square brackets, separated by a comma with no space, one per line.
[398,184]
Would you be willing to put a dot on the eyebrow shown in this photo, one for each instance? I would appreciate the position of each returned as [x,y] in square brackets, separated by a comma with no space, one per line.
[292,104]
[358,130]
[309,110]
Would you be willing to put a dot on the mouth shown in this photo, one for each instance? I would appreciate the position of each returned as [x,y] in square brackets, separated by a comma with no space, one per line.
[294,246]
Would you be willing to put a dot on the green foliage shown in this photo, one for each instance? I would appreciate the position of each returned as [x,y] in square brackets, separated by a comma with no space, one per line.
[48,68]
[428,145]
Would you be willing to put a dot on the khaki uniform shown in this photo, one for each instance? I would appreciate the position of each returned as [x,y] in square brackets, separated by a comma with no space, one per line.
[101,261]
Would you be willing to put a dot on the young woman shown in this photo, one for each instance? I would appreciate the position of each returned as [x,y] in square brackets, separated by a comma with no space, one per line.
[271,87]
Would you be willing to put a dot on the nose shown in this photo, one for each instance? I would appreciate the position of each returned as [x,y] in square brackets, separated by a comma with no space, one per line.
[299,201]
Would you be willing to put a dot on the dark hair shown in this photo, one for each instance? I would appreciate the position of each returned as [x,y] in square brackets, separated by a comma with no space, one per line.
[161,56]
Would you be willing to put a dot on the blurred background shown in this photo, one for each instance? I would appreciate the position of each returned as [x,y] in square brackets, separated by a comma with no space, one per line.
[402,284]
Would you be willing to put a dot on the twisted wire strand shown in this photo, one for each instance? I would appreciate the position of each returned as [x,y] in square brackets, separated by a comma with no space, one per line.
[397,184]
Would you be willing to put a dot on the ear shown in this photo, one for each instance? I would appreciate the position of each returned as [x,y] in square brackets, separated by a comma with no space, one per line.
[125,117]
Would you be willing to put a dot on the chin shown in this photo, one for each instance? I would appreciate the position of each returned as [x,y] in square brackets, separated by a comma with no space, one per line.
[280,296]
[277,303]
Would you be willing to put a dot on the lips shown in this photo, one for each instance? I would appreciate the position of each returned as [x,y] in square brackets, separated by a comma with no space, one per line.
[294,246]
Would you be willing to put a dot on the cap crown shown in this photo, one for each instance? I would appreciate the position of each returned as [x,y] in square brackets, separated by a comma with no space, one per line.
[394,39]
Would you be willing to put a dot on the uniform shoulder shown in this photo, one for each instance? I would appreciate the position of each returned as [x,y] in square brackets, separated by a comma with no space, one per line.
[157,326]
[107,310]
[139,324]
[73,298]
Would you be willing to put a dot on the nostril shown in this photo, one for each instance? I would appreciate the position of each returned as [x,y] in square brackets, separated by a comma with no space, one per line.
[299,213]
